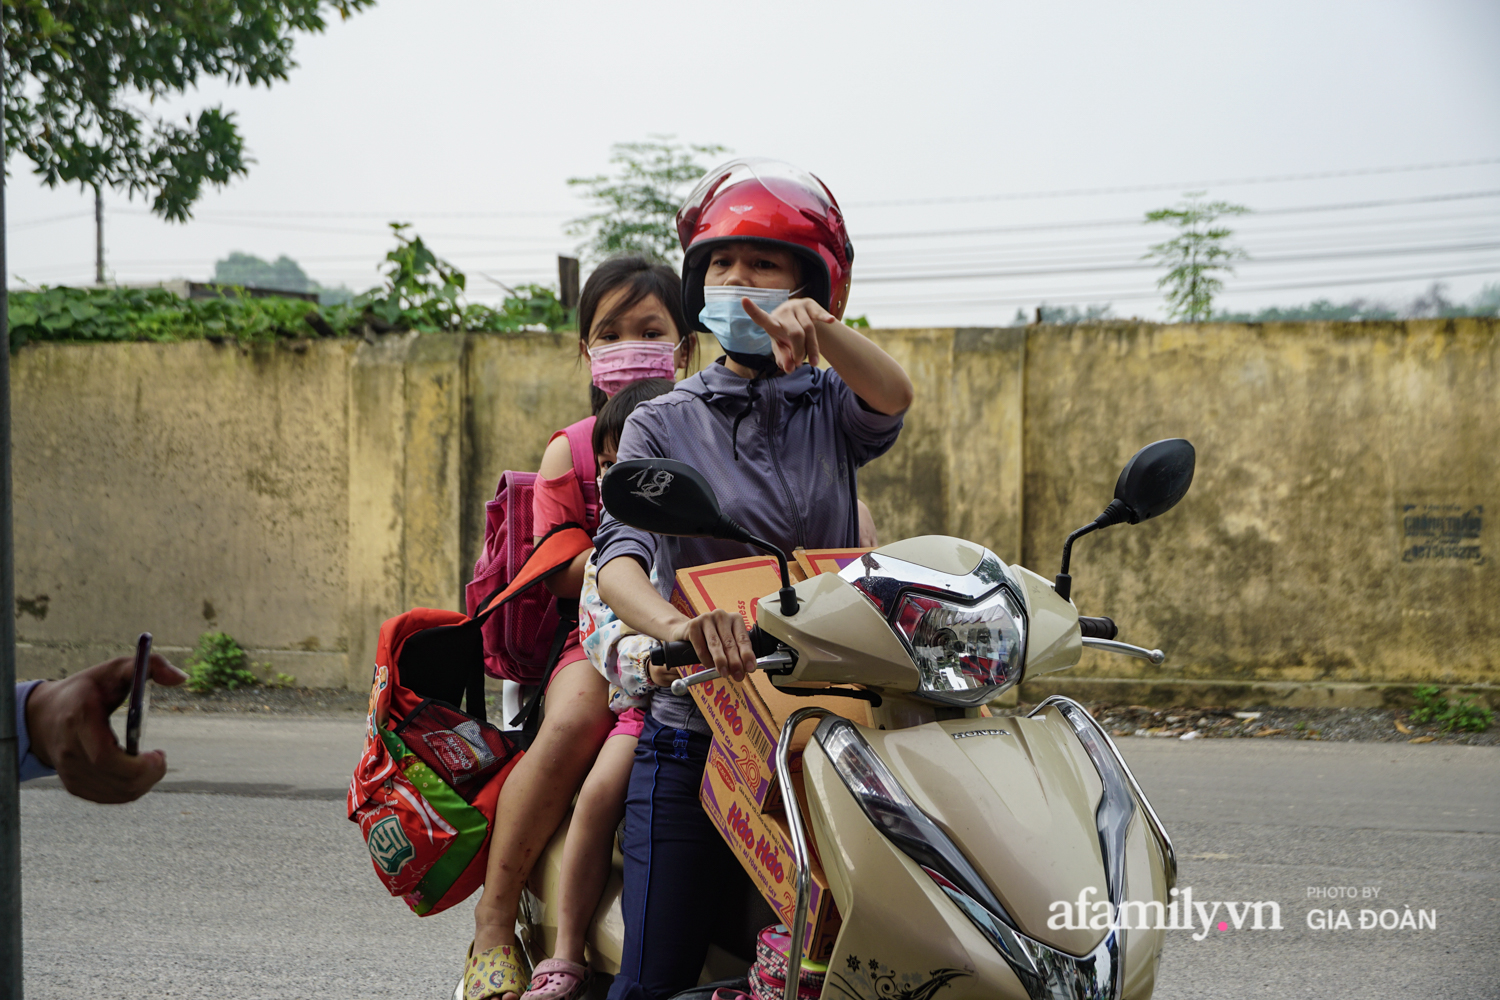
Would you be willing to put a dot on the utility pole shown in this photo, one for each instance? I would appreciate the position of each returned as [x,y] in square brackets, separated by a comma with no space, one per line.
[567,281]
[10,789]
[98,236]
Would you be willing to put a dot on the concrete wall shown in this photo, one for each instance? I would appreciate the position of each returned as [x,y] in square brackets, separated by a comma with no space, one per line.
[177,487]
[296,495]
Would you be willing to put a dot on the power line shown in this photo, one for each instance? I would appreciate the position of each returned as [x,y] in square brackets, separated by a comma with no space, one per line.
[1137,221]
[1064,251]
[1245,232]
[1064,298]
[1174,185]
[381,232]
[392,216]
[32,223]
[1138,265]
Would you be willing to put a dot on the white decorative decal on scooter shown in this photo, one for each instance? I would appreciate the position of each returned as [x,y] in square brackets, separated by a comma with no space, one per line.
[980,732]
[865,981]
[659,482]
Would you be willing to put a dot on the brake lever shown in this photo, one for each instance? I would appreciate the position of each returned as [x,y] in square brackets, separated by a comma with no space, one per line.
[1125,649]
[780,658]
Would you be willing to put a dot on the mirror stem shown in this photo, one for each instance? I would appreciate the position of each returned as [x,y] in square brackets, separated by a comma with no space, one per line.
[1112,514]
[787,595]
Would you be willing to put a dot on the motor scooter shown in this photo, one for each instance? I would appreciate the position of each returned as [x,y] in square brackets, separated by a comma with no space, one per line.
[951,842]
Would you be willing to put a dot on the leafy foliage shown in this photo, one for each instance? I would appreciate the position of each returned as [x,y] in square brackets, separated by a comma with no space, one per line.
[421,292]
[219,662]
[637,207]
[424,292]
[533,307]
[1195,255]
[1434,707]
[69,65]
[119,314]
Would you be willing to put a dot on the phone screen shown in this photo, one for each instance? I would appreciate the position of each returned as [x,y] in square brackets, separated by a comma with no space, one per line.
[140,695]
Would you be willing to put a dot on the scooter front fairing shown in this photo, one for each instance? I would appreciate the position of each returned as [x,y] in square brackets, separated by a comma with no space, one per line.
[947,847]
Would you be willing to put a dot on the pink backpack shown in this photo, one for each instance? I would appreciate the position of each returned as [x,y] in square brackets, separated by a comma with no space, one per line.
[525,636]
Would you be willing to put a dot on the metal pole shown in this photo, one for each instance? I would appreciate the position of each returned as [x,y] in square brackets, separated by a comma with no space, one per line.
[98,236]
[10,791]
[797,927]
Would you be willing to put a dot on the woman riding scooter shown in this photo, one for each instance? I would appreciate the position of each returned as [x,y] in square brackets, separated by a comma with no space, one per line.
[767,271]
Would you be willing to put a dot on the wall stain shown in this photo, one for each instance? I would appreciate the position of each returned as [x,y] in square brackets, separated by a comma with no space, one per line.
[36,606]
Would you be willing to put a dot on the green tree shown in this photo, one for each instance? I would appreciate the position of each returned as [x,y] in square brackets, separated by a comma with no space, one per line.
[637,207]
[283,274]
[1195,255]
[72,68]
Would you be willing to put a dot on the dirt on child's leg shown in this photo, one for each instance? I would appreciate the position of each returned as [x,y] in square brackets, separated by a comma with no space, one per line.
[586,855]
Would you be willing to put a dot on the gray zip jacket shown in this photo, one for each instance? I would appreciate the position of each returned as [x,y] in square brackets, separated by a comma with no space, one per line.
[780,453]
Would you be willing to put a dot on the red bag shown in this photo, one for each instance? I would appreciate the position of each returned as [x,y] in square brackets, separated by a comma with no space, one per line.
[426,785]
[518,638]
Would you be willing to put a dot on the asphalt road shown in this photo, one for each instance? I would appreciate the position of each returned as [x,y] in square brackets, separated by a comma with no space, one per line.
[240,877]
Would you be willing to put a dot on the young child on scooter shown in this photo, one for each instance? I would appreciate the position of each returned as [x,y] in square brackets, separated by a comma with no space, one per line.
[622,657]
[766,271]
[631,327]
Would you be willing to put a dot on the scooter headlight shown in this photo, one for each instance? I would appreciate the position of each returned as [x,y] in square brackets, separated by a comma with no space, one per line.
[964,653]
[965,633]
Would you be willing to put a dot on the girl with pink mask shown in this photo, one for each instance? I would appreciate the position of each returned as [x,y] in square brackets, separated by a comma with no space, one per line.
[631,327]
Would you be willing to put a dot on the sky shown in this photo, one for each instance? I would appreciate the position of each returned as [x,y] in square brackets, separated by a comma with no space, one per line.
[989,156]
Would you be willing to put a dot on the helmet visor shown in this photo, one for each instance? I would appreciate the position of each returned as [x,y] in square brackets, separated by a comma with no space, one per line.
[801,192]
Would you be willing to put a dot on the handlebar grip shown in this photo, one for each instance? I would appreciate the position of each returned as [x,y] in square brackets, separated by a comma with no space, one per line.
[678,653]
[1097,628]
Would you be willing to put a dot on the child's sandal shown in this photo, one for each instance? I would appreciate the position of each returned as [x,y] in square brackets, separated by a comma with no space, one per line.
[556,979]
[492,974]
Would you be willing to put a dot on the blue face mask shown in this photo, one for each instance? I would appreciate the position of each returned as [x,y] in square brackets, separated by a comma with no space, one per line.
[727,319]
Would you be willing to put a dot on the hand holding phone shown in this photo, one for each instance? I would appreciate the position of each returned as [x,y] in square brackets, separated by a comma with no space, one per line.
[140,695]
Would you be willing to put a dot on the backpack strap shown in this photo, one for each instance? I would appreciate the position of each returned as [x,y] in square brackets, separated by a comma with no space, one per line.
[581,443]
[557,548]
[530,717]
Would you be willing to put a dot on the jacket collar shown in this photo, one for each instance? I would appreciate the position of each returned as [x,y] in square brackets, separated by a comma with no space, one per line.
[720,387]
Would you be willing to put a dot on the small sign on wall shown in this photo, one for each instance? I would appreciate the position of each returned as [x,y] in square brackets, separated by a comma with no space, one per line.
[1446,533]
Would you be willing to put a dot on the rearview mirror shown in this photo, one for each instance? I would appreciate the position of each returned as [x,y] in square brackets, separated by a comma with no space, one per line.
[666,497]
[1156,478]
[1152,482]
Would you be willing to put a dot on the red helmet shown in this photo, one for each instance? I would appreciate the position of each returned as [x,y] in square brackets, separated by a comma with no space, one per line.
[766,201]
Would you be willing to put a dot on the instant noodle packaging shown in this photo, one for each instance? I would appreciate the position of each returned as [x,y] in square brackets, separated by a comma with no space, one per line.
[739,789]
[746,718]
[763,845]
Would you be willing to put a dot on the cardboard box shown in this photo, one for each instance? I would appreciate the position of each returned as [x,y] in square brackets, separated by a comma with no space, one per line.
[746,718]
[739,790]
[815,561]
[763,844]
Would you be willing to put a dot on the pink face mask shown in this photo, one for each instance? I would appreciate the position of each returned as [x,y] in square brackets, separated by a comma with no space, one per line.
[614,366]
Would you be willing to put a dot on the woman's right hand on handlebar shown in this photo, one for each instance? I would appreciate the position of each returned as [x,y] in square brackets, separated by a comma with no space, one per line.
[720,639]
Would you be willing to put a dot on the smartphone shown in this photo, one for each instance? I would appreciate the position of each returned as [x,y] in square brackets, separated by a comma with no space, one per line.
[140,695]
